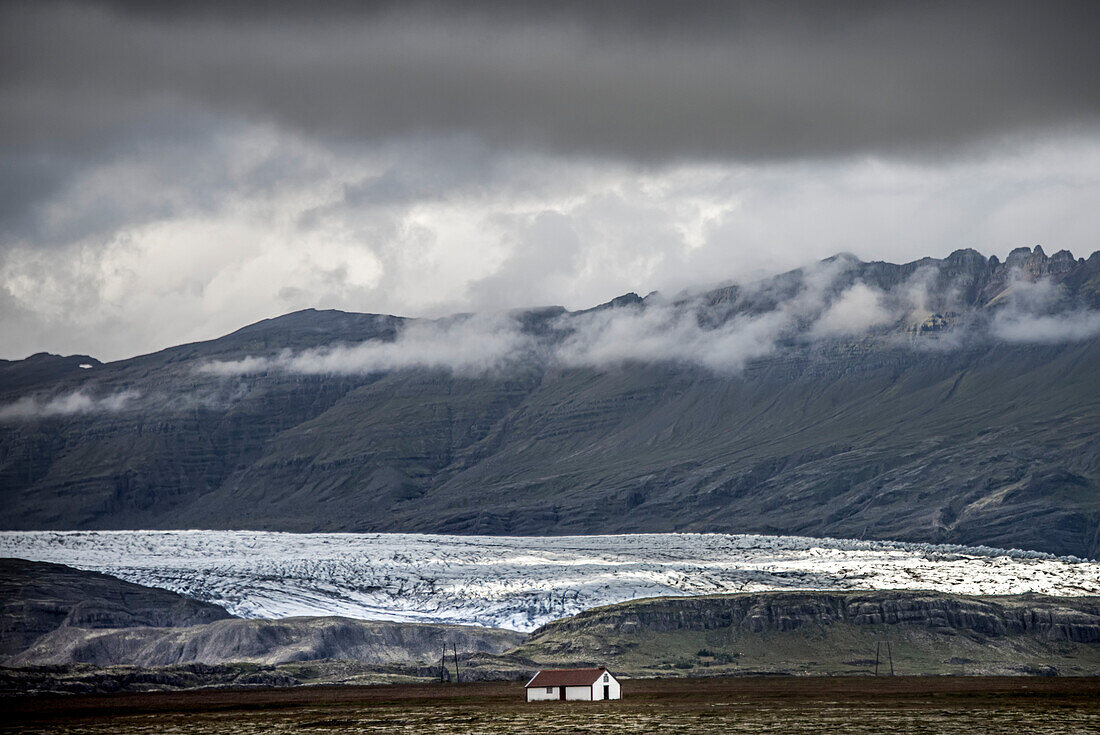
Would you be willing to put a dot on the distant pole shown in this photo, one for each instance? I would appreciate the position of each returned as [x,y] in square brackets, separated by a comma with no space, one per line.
[877,645]
[458,676]
[443,662]
[890,653]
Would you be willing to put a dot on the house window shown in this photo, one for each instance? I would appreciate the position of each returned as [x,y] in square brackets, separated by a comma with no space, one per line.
[605,678]
[549,690]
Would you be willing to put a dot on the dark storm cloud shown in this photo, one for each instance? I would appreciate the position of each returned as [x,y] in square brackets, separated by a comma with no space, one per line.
[171,171]
[647,81]
[44,200]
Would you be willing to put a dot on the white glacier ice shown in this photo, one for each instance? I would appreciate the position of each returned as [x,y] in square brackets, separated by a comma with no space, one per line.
[523,582]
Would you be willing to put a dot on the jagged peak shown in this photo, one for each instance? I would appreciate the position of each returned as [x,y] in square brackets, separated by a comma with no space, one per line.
[965,254]
[1018,256]
[627,299]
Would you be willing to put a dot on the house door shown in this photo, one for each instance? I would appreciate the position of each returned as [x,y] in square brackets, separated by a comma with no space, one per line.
[607,691]
[561,693]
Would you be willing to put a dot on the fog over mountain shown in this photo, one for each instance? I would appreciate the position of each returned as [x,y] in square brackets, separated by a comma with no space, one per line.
[827,301]
[948,400]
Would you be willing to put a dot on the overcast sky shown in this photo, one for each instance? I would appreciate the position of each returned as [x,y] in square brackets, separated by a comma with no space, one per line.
[168,175]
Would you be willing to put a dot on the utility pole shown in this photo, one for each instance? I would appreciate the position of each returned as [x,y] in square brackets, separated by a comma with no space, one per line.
[443,662]
[458,676]
[889,656]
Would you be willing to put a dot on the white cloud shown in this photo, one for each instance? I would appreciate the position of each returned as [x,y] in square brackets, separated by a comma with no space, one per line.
[245,366]
[1051,329]
[857,310]
[689,330]
[466,345]
[664,334]
[77,402]
[1030,314]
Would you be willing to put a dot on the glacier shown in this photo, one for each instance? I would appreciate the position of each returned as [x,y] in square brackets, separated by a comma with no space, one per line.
[524,582]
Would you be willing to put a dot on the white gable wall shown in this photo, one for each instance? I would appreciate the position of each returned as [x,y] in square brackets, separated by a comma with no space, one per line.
[614,691]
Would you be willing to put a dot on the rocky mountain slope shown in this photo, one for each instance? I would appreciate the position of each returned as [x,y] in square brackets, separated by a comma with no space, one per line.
[831,633]
[264,642]
[950,400]
[53,615]
[68,630]
[39,599]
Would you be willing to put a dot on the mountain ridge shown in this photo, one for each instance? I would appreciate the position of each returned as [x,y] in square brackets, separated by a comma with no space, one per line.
[925,424]
[1034,263]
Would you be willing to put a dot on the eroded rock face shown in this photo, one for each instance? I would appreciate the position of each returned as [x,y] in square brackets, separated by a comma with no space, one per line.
[831,633]
[1049,618]
[38,598]
[53,615]
[265,642]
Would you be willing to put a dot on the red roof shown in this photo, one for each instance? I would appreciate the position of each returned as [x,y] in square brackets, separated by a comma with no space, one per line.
[566,677]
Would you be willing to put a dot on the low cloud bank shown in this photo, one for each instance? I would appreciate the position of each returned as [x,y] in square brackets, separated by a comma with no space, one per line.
[666,334]
[683,331]
[77,402]
[857,310]
[472,345]
[721,334]
[694,332]
[1036,312]
[1051,329]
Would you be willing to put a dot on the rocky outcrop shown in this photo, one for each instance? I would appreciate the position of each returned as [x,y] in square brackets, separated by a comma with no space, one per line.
[37,599]
[1049,618]
[266,642]
[54,615]
[831,633]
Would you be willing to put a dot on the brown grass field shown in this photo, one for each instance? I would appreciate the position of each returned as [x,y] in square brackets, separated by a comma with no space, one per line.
[971,705]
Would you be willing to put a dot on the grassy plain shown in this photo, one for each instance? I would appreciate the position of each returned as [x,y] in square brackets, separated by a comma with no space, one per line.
[941,705]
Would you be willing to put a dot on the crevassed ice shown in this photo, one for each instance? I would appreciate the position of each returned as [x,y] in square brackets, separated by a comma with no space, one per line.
[523,582]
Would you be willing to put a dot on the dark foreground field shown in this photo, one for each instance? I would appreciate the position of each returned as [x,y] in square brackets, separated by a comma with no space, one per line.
[969,705]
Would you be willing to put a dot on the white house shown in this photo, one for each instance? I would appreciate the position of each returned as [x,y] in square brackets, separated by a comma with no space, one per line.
[573,684]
